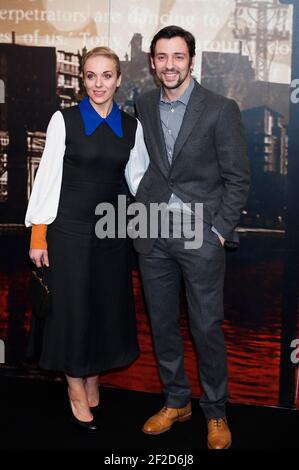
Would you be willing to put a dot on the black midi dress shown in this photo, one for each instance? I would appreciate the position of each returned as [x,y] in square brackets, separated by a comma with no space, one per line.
[92,326]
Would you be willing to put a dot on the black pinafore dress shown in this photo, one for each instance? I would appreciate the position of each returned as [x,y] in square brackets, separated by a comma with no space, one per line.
[91,327]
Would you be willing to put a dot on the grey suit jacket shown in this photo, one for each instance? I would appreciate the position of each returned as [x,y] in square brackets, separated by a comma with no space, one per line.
[209,163]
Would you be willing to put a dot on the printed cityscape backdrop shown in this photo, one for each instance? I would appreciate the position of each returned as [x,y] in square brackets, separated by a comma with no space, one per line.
[244,51]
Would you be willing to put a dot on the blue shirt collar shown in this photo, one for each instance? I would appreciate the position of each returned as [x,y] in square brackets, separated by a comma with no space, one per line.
[92,119]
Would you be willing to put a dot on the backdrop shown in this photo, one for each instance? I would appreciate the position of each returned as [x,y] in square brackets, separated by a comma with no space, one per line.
[246,50]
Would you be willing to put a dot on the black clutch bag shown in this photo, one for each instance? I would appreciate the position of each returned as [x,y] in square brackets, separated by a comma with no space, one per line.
[39,293]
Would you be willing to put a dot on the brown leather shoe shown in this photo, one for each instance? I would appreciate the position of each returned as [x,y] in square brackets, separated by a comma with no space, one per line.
[165,418]
[219,435]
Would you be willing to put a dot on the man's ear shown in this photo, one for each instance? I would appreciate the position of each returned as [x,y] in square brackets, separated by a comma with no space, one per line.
[152,64]
[192,63]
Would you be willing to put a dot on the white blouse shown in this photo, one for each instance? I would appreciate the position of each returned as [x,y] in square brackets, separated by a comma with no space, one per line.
[44,199]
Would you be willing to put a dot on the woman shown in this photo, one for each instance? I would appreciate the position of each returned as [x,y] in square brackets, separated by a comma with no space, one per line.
[89,150]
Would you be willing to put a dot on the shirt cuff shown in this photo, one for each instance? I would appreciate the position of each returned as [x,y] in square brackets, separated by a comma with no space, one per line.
[38,237]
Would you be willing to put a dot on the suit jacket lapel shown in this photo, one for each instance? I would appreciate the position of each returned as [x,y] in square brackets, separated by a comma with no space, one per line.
[195,107]
[157,130]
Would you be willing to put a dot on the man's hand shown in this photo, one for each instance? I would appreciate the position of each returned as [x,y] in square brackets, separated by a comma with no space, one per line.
[39,257]
[222,240]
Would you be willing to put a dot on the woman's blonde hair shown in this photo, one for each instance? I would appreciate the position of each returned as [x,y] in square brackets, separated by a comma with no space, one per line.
[104,52]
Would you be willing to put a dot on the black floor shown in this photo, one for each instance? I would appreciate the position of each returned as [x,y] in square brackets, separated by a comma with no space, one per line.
[34,415]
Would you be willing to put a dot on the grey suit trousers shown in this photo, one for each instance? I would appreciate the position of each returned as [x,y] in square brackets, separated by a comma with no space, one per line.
[203,271]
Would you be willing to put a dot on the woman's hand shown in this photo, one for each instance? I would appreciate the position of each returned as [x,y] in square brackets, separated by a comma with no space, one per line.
[39,257]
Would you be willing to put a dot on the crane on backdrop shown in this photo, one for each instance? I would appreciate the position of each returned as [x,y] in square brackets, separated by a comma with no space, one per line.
[258,24]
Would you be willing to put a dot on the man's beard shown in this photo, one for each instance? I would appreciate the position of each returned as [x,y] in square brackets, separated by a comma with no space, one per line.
[177,84]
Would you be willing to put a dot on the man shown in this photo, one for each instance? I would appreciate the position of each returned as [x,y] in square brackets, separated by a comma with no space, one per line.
[197,154]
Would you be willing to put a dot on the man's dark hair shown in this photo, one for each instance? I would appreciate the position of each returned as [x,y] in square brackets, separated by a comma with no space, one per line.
[171,32]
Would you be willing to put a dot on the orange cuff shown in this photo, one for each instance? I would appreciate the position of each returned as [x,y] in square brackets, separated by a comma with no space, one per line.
[38,237]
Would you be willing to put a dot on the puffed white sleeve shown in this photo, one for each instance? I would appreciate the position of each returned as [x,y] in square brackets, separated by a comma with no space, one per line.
[138,161]
[44,199]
